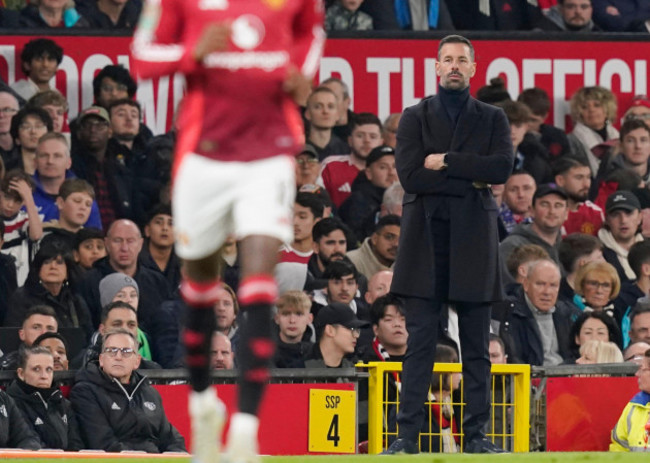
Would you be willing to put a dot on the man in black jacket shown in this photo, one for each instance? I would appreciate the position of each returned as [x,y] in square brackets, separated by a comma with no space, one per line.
[116,407]
[535,326]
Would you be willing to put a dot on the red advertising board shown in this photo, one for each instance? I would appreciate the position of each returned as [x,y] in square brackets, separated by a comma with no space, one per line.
[581,412]
[384,75]
[284,415]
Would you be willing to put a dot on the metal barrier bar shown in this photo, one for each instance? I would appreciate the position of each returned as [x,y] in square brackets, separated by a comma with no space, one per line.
[518,407]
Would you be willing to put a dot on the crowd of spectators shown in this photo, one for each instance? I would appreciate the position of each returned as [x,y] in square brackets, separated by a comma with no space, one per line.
[89,278]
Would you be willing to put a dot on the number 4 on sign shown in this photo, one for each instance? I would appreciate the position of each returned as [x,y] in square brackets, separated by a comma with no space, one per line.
[333,433]
[332,421]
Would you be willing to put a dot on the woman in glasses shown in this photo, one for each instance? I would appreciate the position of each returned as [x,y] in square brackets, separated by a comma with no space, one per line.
[48,413]
[117,408]
[597,284]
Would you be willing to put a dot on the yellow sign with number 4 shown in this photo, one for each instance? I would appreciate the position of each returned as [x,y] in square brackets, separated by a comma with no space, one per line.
[332,421]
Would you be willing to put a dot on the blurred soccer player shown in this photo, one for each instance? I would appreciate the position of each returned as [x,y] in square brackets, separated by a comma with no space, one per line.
[246,64]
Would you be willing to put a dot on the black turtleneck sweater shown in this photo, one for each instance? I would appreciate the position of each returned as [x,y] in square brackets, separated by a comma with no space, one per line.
[453,101]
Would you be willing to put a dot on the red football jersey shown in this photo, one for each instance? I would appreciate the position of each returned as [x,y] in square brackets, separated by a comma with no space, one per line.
[235,108]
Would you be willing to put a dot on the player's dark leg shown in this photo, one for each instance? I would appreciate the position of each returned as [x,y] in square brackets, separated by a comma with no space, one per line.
[199,290]
[256,294]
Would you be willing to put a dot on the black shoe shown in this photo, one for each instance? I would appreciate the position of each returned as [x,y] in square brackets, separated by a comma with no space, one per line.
[401,446]
[482,445]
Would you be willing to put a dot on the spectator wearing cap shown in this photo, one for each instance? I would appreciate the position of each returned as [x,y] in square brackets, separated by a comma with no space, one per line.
[104,166]
[89,159]
[360,210]
[634,145]
[307,166]
[337,332]
[378,251]
[639,109]
[535,326]
[621,231]
[39,59]
[549,211]
[338,172]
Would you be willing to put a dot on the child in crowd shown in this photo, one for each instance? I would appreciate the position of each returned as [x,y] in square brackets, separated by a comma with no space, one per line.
[22,225]
[88,247]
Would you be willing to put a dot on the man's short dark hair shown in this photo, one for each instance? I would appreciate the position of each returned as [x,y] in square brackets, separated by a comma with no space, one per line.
[339,269]
[116,305]
[48,335]
[456,39]
[312,202]
[378,308]
[516,112]
[125,101]
[632,124]
[496,338]
[40,309]
[536,99]
[326,226]
[390,219]
[642,306]
[364,119]
[575,246]
[159,209]
[38,48]
[639,254]
[33,111]
[117,73]
[564,164]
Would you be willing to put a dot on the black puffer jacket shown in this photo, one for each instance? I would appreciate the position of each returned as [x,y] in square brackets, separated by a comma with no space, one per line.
[116,417]
[71,310]
[49,414]
[15,432]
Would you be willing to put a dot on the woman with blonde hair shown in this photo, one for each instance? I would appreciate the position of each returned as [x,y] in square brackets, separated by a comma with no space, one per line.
[597,284]
[593,109]
[595,351]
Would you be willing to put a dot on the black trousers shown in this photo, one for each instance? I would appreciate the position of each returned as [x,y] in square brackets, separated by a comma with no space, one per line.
[422,323]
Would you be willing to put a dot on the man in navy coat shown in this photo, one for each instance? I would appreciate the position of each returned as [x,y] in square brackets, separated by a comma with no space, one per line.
[450,148]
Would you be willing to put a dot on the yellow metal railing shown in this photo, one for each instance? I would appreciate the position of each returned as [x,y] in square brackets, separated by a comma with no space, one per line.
[509,424]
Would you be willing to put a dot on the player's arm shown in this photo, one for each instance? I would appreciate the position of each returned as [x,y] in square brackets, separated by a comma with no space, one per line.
[306,50]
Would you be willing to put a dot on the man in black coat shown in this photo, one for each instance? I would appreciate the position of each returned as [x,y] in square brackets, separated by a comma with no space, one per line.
[116,407]
[450,147]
